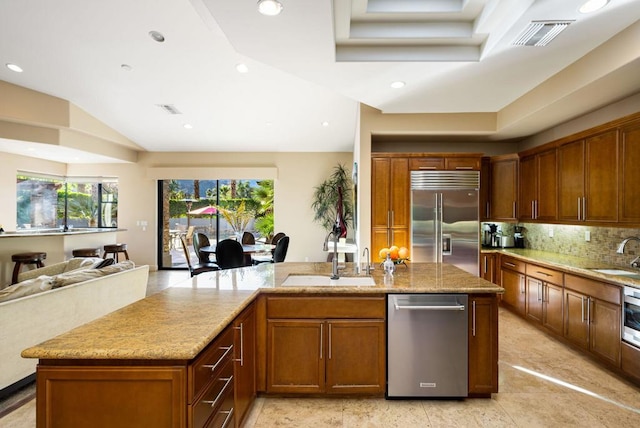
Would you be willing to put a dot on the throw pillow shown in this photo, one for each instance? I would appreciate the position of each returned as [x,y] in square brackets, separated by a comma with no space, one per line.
[104,263]
[26,288]
[81,263]
[118,267]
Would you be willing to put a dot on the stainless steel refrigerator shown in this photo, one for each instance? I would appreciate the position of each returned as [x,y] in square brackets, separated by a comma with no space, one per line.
[445,224]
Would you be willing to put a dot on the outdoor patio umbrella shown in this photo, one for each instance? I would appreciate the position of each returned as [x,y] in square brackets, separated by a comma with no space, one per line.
[209,210]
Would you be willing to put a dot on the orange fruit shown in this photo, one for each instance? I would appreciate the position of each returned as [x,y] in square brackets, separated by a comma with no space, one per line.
[394,252]
[403,253]
[383,253]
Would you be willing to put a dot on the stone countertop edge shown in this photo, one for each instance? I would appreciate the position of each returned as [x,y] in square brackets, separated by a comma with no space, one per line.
[570,264]
[180,321]
[34,232]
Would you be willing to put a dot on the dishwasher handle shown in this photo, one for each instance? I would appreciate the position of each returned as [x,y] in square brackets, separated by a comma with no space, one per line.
[422,307]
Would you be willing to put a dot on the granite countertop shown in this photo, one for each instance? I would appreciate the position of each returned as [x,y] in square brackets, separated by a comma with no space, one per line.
[571,264]
[177,323]
[25,233]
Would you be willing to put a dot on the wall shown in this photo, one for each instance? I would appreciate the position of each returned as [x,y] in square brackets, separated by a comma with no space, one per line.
[570,240]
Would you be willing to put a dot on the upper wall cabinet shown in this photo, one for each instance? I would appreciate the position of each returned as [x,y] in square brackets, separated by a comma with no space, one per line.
[503,192]
[445,162]
[629,200]
[588,179]
[538,187]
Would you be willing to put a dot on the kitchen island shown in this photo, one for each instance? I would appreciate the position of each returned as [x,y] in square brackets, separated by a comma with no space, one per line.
[187,348]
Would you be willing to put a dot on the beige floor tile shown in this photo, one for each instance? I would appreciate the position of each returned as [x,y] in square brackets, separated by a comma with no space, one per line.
[467,413]
[381,413]
[300,412]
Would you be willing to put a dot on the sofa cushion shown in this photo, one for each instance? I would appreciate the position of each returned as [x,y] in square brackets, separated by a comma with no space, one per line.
[26,288]
[80,275]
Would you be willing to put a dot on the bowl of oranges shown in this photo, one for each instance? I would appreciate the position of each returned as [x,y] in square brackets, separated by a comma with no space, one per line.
[399,255]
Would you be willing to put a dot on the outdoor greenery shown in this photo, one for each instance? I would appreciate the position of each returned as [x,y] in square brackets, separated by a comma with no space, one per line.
[325,198]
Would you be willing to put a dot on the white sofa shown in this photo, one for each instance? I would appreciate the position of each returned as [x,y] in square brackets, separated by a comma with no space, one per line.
[32,319]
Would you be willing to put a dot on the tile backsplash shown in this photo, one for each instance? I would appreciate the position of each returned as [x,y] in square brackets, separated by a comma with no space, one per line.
[602,245]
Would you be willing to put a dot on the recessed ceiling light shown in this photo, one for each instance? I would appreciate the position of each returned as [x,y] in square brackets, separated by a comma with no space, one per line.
[325,123]
[242,68]
[157,36]
[14,67]
[593,5]
[187,126]
[398,84]
[269,7]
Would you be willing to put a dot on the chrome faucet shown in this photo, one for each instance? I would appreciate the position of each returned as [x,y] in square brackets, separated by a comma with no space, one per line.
[635,262]
[334,263]
[367,268]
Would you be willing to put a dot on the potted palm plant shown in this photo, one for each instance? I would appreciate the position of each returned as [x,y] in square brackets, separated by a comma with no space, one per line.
[326,199]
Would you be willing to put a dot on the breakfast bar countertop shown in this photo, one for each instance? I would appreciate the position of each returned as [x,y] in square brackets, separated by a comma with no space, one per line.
[179,322]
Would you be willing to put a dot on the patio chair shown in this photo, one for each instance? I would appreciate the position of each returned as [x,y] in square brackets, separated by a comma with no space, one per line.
[198,268]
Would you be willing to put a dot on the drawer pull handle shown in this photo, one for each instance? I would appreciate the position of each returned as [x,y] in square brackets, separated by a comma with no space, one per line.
[542,273]
[228,418]
[509,264]
[221,393]
[213,367]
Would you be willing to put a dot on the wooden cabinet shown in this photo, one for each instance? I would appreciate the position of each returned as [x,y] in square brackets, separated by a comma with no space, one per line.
[325,345]
[445,163]
[488,266]
[544,297]
[485,189]
[244,328]
[483,345]
[390,195]
[538,187]
[504,188]
[588,179]
[512,279]
[593,316]
[629,197]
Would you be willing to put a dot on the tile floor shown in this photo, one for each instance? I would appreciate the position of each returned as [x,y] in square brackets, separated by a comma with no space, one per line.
[543,383]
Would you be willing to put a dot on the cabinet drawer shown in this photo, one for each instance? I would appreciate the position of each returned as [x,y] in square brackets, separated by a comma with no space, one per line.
[468,164]
[214,397]
[211,361]
[545,274]
[631,360]
[325,307]
[512,264]
[599,290]
[432,164]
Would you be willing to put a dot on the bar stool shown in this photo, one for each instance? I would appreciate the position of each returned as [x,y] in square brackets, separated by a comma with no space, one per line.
[86,252]
[20,259]
[116,249]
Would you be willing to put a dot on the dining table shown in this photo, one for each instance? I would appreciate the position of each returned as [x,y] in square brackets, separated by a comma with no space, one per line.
[246,248]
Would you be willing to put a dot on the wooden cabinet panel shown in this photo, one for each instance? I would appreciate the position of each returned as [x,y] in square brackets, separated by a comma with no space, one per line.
[504,188]
[528,188]
[630,361]
[576,326]
[553,315]
[356,356]
[295,356]
[390,195]
[462,163]
[326,307]
[601,179]
[604,330]
[483,345]
[629,195]
[485,189]
[244,328]
[426,164]
[488,266]
[571,181]
[534,294]
[113,396]
[547,192]
[514,289]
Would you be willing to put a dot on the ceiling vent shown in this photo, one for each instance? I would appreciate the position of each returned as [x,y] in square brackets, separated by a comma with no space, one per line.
[540,33]
[169,108]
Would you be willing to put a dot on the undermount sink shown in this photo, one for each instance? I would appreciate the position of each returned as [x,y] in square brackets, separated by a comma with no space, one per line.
[618,272]
[326,281]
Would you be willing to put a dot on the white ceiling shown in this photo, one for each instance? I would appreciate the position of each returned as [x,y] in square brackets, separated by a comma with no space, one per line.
[458,59]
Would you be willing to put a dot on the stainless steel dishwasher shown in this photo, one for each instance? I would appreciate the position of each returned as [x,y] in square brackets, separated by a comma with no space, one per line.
[427,345]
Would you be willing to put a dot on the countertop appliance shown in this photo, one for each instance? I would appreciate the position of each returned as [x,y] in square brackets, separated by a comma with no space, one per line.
[631,316]
[427,345]
[444,218]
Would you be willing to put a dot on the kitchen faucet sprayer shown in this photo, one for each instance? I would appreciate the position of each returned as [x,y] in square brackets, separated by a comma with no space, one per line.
[367,269]
[635,262]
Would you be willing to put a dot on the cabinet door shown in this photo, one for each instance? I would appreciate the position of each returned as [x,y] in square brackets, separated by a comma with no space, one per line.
[552,316]
[245,361]
[547,186]
[504,189]
[604,330]
[485,189]
[400,193]
[576,326]
[380,192]
[400,237]
[601,178]
[355,356]
[629,196]
[571,181]
[514,290]
[528,188]
[483,345]
[462,164]
[488,266]
[295,356]
[534,295]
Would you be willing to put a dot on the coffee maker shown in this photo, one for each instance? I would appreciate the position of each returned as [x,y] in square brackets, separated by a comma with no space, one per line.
[489,235]
[518,237]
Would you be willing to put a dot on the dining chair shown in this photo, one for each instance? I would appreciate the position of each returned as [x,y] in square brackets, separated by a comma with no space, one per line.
[201,240]
[248,238]
[198,268]
[277,255]
[277,237]
[229,254]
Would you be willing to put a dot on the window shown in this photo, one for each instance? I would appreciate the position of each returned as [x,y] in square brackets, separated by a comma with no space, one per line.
[47,202]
